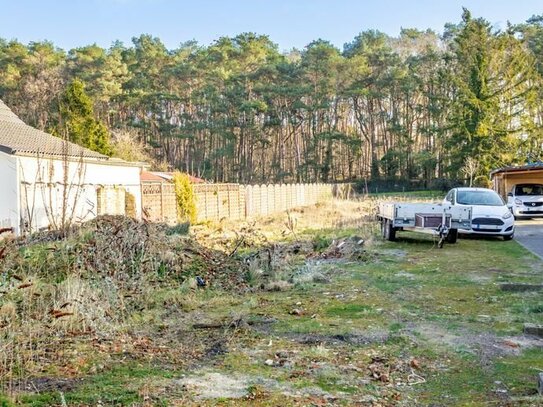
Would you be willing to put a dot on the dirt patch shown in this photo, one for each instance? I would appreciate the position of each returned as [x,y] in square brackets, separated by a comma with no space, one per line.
[216,349]
[404,274]
[317,271]
[216,385]
[477,278]
[341,339]
[399,253]
[486,346]
[213,385]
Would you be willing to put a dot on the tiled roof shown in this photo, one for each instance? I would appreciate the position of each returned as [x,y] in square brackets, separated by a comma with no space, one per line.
[6,115]
[18,138]
[147,176]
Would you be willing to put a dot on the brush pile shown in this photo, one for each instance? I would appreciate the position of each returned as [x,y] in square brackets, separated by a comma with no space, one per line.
[121,249]
[92,282]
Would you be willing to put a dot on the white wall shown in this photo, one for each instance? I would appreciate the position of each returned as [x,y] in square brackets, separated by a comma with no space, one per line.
[43,189]
[9,208]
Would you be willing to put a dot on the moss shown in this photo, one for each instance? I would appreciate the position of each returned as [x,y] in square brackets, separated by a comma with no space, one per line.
[519,373]
[350,311]
[462,383]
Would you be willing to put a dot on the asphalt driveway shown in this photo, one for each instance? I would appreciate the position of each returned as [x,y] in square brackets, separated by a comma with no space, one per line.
[529,233]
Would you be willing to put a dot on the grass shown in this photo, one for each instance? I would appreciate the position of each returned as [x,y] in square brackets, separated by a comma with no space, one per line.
[123,384]
[409,301]
[348,311]
[423,194]
[519,372]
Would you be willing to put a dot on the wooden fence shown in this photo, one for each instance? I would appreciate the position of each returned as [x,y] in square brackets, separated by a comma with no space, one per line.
[159,202]
[234,201]
[266,199]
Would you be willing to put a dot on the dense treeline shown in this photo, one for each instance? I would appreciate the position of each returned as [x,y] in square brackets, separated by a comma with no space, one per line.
[412,108]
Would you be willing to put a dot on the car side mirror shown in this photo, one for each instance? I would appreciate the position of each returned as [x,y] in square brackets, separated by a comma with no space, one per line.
[510,194]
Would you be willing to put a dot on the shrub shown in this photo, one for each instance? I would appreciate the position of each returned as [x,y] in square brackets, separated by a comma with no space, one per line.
[186,200]
[321,243]
[129,205]
[178,229]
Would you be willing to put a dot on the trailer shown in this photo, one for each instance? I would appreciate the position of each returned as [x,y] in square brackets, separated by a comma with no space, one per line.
[441,220]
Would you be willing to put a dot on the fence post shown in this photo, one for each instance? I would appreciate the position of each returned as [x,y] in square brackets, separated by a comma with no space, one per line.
[161,203]
[218,202]
[229,202]
[247,191]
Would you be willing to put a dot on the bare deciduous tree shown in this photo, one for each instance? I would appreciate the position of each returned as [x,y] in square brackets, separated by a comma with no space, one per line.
[470,168]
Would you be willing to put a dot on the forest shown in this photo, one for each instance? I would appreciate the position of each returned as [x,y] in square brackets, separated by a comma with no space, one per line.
[420,109]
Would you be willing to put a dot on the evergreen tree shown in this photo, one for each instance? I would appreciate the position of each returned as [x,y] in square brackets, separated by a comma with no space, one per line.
[77,115]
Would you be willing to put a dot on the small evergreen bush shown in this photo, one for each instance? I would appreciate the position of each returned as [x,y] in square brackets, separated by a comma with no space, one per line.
[186,199]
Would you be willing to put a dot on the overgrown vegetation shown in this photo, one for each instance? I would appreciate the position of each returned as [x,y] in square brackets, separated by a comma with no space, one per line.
[321,313]
[93,283]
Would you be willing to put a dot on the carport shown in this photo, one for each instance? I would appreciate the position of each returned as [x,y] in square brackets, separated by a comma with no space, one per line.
[504,178]
[528,233]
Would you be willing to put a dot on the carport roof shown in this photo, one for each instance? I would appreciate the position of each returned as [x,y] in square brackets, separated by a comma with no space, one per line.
[519,168]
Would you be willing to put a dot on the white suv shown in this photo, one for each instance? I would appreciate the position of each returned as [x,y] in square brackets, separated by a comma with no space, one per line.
[526,200]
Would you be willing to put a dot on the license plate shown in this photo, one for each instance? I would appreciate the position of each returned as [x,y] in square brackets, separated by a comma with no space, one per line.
[487,227]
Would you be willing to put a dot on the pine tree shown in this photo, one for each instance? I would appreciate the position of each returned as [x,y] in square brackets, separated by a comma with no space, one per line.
[77,114]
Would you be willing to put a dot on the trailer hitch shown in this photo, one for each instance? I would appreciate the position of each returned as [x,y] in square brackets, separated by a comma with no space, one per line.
[443,232]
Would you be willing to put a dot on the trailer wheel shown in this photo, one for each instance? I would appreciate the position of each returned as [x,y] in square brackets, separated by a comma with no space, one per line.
[390,232]
[452,237]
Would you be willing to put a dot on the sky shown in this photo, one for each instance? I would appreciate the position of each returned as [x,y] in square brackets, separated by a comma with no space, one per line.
[289,23]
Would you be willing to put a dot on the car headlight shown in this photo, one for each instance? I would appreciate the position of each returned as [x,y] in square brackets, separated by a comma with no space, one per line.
[518,201]
[507,215]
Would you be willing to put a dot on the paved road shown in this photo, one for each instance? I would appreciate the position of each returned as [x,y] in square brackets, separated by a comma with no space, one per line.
[529,233]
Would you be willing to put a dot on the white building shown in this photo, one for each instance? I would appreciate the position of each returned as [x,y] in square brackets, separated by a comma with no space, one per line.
[47,183]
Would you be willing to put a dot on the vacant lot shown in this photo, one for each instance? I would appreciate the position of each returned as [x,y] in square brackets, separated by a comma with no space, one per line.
[325,313]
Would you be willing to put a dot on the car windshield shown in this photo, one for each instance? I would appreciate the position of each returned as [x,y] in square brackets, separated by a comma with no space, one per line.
[529,190]
[487,198]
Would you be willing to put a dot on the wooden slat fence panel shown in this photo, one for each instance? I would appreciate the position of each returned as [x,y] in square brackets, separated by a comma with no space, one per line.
[232,201]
